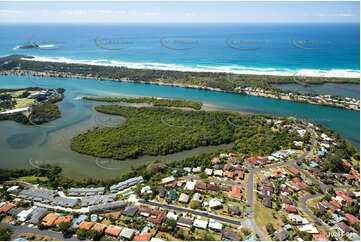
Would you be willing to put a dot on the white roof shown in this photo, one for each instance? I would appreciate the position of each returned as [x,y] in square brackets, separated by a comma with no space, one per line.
[308,228]
[208,171]
[213,224]
[190,185]
[171,215]
[23,215]
[215,202]
[200,224]
[168,179]
[146,190]
[13,188]
[156,239]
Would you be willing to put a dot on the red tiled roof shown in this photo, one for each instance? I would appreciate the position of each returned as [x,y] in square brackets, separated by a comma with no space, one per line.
[290,208]
[85,225]
[236,192]
[352,218]
[344,197]
[143,237]
[335,203]
[346,163]
[64,219]
[99,227]
[240,174]
[355,174]
[292,170]
[5,208]
[216,160]
[50,219]
[320,237]
[113,230]
[229,174]
[252,160]
[156,217]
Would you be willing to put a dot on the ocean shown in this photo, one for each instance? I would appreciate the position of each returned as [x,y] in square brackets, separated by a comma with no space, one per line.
[276,49]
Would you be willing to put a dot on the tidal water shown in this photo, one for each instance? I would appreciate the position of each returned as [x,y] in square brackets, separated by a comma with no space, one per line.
[23,146]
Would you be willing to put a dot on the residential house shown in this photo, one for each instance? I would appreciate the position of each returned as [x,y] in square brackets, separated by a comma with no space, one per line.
[142,237]
[236,192]
[50,219]
[130,211]
[208,171]
[85,225]
[229,234]
[343,228]
[99,227]
[215,203]
[127,234]
[290,208]
[185,222]
[233,209]
[201,224]
[201,185]
[161,191]
[214,225]
[190,185]
[64,219]
[352,218]
[281,234]
[113,230]
[183,198]
[172,194]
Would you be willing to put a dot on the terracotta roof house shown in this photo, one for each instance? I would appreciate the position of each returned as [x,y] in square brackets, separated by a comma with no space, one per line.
[229,174]
[297,184]
[156,216]
[5,208]
[113,230]
[252,160]
[227,167]
[319,237]
[50,219]
[85,225]
[99,227]
[142,237]
[64,219]
[213,187]
[342,227]
[236,192]
[335,203]
[229,234]
[355,174]
[346,163]
[290,208]
[216,160]
[344,197]
[239,174]
[352,218]
[293,170]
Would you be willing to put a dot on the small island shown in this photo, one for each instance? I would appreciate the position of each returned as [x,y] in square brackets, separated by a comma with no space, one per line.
[162,131]
[31,105]
[155,101]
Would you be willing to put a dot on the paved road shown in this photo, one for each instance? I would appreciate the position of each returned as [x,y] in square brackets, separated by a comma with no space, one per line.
[18,229]
[250,184]
[189,178]
[194,212]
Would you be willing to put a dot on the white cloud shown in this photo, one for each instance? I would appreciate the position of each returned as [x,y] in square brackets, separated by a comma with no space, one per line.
[151,14]
[189,14]
[9,12]
[117,12]
[336,15]
[74,12]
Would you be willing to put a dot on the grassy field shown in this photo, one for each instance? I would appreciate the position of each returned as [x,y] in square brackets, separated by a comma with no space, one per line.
[24,102]
[32,179]
[36,237]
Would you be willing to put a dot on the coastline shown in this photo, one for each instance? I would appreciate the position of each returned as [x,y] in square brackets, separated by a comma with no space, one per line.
[335,73]
[253,85]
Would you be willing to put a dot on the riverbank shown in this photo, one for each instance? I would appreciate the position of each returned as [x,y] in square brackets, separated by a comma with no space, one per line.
[260,85]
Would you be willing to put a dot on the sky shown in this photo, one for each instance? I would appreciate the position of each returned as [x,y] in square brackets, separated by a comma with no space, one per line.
[178,12]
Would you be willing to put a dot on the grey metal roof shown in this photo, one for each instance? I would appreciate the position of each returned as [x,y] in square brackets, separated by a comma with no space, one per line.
[86,191]
[90,201]
[107,206]
[16,211]
[130,211]
[37,215]
[125,184]
[64,202]
[39,195]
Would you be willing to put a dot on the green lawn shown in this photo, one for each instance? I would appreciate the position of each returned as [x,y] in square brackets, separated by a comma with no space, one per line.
[24,102]
[32,179]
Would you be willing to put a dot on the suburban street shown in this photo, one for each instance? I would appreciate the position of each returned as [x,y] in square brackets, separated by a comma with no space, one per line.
[19,229]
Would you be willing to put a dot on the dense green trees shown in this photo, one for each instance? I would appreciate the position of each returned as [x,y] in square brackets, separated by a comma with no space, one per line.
[151,100]
[45,112]
[5,234]
[154,131]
